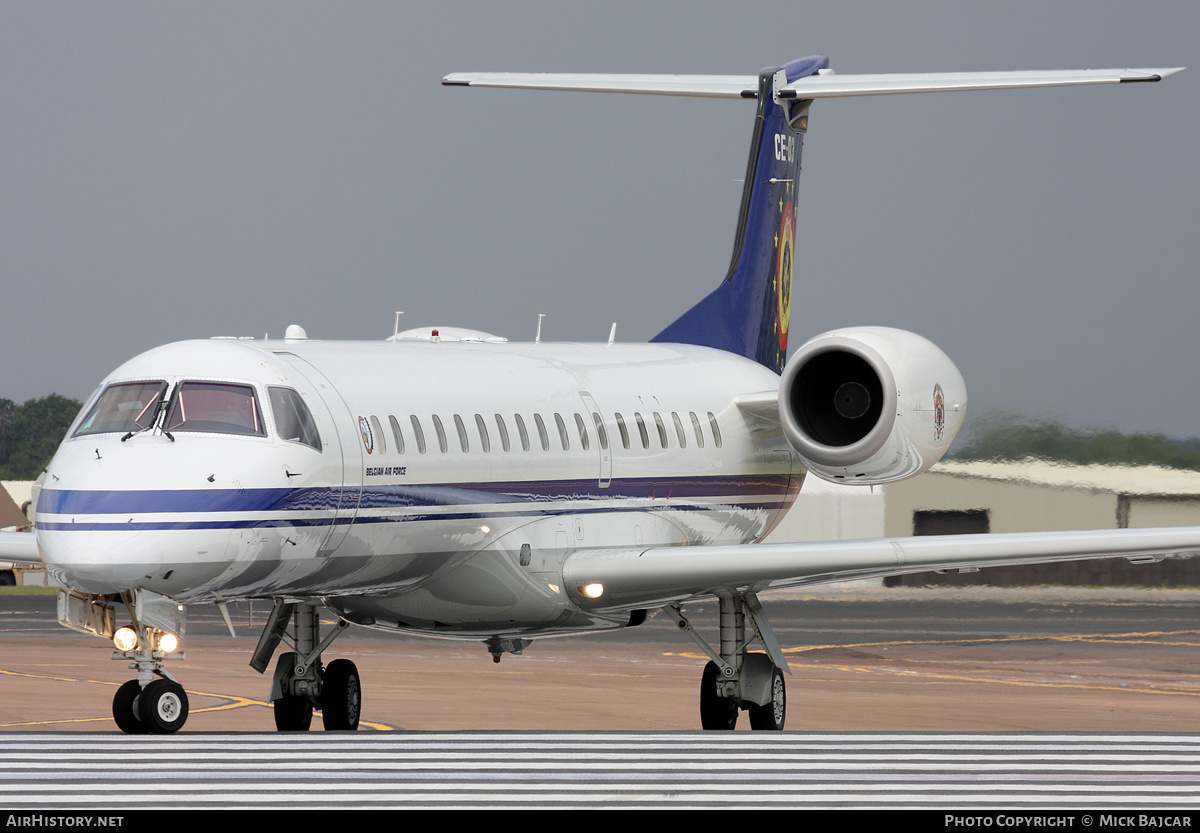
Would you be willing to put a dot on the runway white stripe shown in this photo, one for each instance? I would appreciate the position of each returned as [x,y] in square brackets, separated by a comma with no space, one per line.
[1003,772]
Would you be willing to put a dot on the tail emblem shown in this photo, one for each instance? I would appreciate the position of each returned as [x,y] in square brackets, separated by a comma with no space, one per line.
[784,245]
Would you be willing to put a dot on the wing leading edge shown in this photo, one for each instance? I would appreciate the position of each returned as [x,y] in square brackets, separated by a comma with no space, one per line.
[634,578]
[19,546]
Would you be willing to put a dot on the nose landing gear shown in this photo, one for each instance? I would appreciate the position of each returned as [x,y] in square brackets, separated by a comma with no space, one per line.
[146,704]
[154,702]
[160,708]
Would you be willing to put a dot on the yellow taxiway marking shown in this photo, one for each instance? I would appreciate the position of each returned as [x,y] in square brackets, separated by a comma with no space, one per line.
[233,701]
[1160,638]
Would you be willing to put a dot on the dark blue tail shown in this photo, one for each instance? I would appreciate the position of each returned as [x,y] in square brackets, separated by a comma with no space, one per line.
[748,313]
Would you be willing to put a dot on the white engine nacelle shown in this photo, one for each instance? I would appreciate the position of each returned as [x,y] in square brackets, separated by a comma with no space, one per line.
[870,405]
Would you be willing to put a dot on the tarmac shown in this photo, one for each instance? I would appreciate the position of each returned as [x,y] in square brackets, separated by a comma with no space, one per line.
[862,660]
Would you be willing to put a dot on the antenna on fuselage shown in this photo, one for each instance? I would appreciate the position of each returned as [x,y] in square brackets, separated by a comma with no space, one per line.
[537,338]
[396,327]
[612,334]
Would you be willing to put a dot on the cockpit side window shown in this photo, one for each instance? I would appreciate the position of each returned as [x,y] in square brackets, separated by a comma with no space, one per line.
[215,407]
[123,407]
[293,420]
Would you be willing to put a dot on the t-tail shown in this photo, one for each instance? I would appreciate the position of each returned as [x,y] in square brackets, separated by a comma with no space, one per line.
[749,312]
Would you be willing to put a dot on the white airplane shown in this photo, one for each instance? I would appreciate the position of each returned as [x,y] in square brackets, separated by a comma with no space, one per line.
[452,484]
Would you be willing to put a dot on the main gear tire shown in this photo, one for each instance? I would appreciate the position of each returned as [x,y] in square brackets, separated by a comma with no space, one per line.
[716,712]
[341,696]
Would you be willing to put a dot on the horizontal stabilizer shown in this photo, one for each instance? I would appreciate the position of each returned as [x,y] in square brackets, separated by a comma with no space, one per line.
[824,85]
[832,85]
[704,86]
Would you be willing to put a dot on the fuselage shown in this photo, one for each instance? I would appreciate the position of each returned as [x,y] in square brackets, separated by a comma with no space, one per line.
[435,485]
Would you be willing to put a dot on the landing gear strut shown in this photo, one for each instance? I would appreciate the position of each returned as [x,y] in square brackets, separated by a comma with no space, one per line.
[736,679]
[301,683]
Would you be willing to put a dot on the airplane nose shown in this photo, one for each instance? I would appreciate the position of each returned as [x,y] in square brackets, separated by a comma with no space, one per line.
[100,561]
[112,561]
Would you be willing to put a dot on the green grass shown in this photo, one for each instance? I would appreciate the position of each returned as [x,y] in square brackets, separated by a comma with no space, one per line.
[28,591]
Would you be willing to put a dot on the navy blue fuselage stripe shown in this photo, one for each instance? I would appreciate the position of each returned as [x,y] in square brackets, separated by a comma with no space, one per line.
[139,526]
[148,501]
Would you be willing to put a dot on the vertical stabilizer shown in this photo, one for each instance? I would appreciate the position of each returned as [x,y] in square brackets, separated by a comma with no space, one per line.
[748,313]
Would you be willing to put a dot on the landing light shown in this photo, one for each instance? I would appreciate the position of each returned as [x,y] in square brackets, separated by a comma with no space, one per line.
[592,591]
[125,639]
[167,643]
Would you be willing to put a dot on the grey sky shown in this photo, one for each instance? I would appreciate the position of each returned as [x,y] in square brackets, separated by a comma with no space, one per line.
[173,171]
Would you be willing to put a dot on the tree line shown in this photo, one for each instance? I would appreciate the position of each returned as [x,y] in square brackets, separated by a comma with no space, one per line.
[1008,436]
[30,433]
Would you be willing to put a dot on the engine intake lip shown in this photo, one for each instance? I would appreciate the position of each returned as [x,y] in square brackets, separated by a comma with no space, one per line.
[837,402]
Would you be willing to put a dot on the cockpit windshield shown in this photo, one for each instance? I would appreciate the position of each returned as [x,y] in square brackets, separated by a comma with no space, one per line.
[215,407]
[124,407]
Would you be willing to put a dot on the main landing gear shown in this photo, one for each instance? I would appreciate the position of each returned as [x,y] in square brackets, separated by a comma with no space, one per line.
[301,683]
[735,679]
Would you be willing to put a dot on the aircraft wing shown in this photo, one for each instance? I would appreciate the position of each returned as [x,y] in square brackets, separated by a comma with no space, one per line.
[19,546]
[634,578]
[825,85]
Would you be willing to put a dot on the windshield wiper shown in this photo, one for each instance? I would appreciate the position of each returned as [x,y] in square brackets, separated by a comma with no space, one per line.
[160,409]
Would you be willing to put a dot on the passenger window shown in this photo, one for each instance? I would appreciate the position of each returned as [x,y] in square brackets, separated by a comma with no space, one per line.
[462,433]
[503,429]
[543,435]
[441,433]
[521,430]
[696,428]
[716,429]
[215,407]
[484,439]
[129,406]
[624,431]
[642,429]
[396,435]
[583,434]
[600,432]
[662,429]
[562,432]
[293,420]
[679,430]
[418,432]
